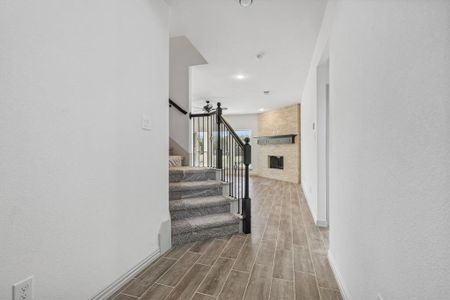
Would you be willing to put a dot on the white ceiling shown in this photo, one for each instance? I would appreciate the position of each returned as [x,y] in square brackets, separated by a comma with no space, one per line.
[230,36]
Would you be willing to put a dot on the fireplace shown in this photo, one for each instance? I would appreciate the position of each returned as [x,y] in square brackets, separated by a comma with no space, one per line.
[276,162]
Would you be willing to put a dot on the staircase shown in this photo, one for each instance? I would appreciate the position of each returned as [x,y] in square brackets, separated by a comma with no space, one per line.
[200,207]
[175,161]
[211,198]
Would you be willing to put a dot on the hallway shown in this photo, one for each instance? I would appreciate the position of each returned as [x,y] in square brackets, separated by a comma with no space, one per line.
[283,258]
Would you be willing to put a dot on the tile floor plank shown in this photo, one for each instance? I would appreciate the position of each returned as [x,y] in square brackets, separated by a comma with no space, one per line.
[283,268]
[213,252]
[235,285]
[329,294]
[302,260]
[146,279]
[282,289]
[325,276]
[299,236]
[201,246]
[306,287]
[157,292]
[266,253]
[247,256]
[174,274]
[214,281]
[124,297]
[234,246]
[259,284]
[178,251]
[187,286]
[198,296]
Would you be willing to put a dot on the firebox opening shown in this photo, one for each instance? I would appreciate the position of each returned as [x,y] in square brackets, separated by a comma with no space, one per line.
[276,162]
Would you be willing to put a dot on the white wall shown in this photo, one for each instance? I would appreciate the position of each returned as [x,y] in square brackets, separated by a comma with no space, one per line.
[83,188]
[247,121]
[389,148]
[183,55]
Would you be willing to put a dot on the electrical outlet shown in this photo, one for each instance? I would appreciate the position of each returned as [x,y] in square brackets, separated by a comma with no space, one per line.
[23,290]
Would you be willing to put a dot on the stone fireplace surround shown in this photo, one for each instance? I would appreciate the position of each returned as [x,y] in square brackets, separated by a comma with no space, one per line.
[281,121]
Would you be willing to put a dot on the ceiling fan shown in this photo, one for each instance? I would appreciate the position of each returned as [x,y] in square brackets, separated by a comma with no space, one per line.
[208,107]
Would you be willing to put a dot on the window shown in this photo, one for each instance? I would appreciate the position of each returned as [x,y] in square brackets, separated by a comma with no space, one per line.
[244,133]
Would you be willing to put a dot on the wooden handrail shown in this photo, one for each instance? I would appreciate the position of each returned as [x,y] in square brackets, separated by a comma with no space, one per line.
[171,103]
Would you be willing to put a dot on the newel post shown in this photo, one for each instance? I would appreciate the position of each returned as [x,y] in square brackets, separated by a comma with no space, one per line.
[219,148]
[247,202]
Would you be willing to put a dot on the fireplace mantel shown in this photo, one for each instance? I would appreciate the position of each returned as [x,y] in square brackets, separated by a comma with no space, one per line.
[276,139]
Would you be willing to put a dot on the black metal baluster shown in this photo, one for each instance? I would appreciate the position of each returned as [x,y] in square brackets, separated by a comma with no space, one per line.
[225,132]
[236,157]
[242,173]
[239,172]
[198,140]
[239,176]
[229,157]
[219,146]
[209,142]
[193,142]
[223,142]
[233,170]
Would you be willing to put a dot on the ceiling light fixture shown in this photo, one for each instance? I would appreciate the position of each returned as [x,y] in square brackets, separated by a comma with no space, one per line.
[240,76]
[245,3]
[261,109]
[260,55]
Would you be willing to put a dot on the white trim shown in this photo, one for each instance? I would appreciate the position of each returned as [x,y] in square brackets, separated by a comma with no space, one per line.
[322,223]
[337,275]
[306,194]
[120,282]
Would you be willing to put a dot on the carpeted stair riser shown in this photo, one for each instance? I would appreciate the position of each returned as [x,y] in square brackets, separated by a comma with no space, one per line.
[198,212]
[192,176]
[204,234]
[199,206]
[202,192]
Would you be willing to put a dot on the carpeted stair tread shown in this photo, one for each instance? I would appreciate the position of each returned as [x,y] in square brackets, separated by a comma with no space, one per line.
[203,222]
[195,185]
[201,202]
[190,170]
[179,174]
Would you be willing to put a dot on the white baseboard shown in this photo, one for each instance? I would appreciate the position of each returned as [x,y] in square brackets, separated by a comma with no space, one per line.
[337,275]
[120,282]
[305,192]
[322,223]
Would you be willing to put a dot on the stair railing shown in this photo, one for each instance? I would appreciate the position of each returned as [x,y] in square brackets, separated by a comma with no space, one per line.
[217,145]
[172,103]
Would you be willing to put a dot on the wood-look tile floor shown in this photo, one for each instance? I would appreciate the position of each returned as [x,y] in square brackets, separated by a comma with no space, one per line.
[283,258]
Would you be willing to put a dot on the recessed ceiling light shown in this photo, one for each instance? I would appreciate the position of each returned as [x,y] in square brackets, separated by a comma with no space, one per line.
[245,3]
[261,109]
[240,76]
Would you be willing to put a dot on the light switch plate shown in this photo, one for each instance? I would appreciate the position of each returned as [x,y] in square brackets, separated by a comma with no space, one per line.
[23,290]
[146,122]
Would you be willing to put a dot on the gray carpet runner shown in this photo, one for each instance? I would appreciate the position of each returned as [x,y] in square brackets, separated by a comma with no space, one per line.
[199,206]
